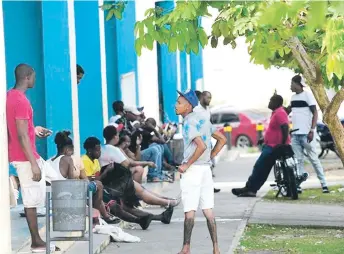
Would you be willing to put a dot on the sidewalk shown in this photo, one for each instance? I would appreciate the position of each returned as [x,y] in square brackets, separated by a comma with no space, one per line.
[232,215]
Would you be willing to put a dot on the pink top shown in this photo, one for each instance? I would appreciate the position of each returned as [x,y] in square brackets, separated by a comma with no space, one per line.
[273,135]
[18,107]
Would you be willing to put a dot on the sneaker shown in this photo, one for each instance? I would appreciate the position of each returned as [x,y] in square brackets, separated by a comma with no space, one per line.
[325,189]
[304,176]
[167,215]
[299,190]
[216,190]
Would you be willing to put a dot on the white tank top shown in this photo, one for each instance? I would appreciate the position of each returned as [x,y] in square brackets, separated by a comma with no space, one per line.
[55,164]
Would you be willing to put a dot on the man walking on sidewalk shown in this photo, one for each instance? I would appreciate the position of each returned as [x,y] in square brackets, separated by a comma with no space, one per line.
[304,118]
[196,182]
[203,108]
[22,152]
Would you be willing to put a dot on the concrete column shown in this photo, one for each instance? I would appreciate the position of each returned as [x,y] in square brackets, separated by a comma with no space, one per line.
[147,65]
[5,219]
[27,17]
[196,68]
[88,55]
[121,59]
[58,69]
[167,67]
[74,85]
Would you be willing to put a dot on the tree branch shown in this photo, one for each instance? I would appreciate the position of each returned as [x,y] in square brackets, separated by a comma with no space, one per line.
[301,56]
[334,105]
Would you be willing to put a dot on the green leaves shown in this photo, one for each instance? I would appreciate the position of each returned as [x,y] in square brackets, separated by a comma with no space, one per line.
[202,36]
[267,25]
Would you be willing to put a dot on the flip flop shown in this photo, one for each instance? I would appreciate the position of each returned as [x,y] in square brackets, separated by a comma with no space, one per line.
[154,180]
[53,248]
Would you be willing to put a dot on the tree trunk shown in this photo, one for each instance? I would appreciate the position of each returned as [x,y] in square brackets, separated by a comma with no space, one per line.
[330,118]
[312,74]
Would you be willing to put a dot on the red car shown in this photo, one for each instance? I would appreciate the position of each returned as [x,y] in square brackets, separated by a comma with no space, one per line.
[243,122]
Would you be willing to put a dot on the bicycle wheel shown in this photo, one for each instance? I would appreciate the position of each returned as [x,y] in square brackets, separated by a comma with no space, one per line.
[291,183]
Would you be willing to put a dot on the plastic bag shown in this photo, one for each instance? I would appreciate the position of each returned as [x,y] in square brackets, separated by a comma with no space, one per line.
[117,234]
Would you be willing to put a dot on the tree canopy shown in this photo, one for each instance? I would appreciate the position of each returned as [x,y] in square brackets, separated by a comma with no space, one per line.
[269,27]
[302,35]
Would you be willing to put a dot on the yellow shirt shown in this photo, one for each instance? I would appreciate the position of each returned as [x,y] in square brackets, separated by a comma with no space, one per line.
[91,167]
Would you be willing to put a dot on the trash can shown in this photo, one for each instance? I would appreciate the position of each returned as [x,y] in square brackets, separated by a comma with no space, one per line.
[69,199]
[177,148]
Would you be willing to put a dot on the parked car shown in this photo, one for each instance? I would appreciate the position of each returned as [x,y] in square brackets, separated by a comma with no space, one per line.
[243,124]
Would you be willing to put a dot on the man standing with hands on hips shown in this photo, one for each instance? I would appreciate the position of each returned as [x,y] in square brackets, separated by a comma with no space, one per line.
[197,184]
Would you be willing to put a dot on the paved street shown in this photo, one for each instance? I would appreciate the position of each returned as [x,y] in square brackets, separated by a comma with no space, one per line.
[229,210]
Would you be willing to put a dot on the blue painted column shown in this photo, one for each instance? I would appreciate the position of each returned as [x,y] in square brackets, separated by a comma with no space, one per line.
[183,71]
[196,66]
[23,44]
[89,57]
[56,60]
[121,58]
[167,75]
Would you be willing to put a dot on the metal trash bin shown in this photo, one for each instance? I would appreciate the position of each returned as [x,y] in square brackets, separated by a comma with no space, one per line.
[177,149]
[69,198]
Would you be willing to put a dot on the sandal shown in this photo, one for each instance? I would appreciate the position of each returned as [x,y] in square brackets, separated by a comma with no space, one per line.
[171,205]
[112,219]
[154,180]
[53,248]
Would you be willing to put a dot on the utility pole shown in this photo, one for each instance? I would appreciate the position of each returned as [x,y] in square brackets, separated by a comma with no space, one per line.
[5,217]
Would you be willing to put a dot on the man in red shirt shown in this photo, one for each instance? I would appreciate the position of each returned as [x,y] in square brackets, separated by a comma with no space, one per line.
[276,134]
[22,151]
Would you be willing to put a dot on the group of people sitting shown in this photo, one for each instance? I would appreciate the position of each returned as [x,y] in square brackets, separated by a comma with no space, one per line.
[115,169]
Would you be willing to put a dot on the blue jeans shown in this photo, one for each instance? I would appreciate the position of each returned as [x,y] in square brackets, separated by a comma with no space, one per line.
[154,154]
[167,154]
[261,169]
[299,143]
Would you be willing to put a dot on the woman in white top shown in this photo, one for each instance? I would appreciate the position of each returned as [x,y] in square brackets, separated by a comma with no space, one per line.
[68,166]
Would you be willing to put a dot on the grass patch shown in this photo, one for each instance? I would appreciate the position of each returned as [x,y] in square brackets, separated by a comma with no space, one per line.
[284,239]
[313,196]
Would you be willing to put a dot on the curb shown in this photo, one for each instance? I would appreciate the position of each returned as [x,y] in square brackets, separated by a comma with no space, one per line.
[241,228]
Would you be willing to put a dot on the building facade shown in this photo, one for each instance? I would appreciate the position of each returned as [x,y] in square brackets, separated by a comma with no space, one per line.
[54,36]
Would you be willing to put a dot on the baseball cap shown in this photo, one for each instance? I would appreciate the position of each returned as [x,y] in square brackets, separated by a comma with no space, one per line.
[299,80]
[190,96]
[134,110]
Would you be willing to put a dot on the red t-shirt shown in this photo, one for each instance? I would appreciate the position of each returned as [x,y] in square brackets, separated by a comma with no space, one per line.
[273,135]
[18,107]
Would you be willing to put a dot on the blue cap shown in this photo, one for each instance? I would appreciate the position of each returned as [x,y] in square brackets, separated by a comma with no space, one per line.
[190,96]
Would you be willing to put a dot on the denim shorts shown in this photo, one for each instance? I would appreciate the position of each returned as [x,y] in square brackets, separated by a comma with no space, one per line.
[92,186]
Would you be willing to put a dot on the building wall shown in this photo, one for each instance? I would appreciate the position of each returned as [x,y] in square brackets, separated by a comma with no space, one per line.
[52,36]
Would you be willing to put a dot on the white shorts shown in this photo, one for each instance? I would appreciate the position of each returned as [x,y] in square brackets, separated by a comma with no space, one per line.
[197,188]
[33,193]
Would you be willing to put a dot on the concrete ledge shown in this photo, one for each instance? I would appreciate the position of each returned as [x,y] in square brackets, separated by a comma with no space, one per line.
[100,242]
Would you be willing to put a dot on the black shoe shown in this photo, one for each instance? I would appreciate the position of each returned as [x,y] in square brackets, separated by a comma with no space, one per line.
[238,191]
[146,221]
[216,190]
[325,189]
[249,194]
[167,215]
